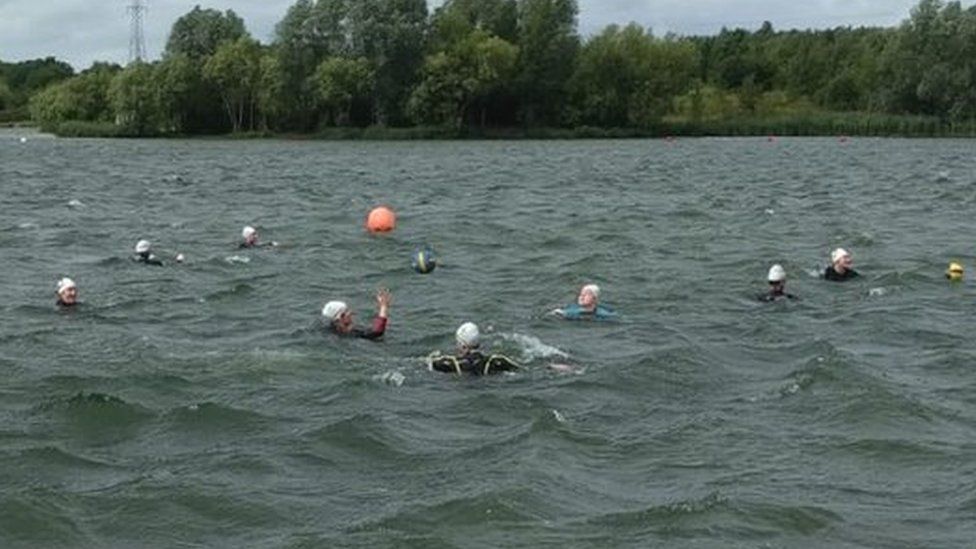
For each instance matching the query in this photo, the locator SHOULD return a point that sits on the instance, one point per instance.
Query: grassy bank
(811, 124)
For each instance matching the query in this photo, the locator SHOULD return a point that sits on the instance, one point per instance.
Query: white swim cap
(593, 289)
(65, 283)
(180, 258)
(837, 254)
(143, 246)
(777, 273)
(248, 231)
(334, 309)
(468, 335)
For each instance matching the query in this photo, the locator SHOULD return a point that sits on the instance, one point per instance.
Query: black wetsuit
(62, 305)
(770, 297)
(149, 259)
(473, 363)
(833, 276)
(374, 332)
(245, 245)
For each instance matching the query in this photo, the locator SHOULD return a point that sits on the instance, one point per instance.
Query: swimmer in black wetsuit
(144, 254)
(470, 360)
(342, 322)
(67, 293)
(777, 285)
(250, 235)
(841, 268)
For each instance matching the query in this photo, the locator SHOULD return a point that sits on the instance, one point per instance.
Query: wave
(212, 418)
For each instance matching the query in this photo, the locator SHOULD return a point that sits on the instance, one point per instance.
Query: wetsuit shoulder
(444, 364)
(571, 312)
(834, 276)
(604, 313)
(499, 363)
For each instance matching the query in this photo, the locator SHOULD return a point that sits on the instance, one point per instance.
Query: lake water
(202, 405)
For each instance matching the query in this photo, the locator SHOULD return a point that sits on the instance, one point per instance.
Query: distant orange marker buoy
(381, 220)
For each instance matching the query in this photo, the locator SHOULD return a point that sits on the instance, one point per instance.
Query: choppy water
(199, 405)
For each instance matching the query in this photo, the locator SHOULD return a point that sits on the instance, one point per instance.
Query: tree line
(475, 65)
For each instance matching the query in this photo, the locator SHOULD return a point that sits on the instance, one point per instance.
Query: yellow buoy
(955, 271)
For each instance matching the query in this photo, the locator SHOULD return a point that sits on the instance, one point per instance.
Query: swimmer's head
(143, 247)
(589, 296)
(777, 274)
(841, 258)
(67, 291)
(955, 271)
(468, 336)
(338, 315)
(250, 235)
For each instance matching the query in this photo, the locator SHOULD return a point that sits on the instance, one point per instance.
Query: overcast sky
(82, 31)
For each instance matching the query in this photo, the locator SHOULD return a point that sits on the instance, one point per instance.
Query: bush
(81, 128)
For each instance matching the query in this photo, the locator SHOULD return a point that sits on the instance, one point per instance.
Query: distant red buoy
(381, 220)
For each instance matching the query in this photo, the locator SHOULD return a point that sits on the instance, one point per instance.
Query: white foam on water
(238, 259)
(533, 348)
(75, 203)
(559, 417)
(28, 225)
(877, 292)
(391, 378)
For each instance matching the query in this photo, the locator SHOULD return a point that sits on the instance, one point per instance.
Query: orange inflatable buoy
(381, 220)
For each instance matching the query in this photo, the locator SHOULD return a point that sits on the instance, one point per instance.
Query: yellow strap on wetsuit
(436, 355)
(497, 357)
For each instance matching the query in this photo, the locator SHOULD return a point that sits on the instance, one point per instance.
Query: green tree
(456, 19)
(340, 82)
(271, 100)
(454, 81)
(200, 32)
(627, 77)
(391, 34)
(311, 31)
(84, 97)
(181, 94)
(133, 95)
(548, 44)
(235, 71)
(6, 96)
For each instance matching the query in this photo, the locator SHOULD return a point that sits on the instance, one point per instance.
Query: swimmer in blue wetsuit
(469, 359)
(587, 306)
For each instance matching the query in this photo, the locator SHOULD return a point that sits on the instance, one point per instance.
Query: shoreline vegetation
(840, 125)
(510, 69)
